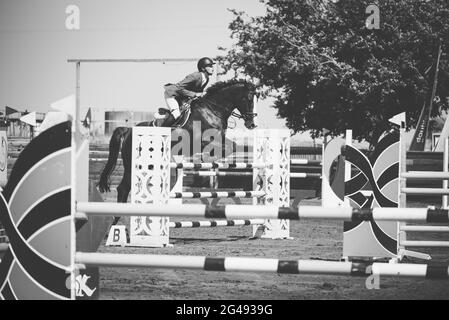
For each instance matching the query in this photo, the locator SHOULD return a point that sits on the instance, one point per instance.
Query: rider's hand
(199, 94)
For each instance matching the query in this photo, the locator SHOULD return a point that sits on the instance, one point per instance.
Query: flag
(87, 120)
(9, 111)
(398, 119)
(66, 105)
(53, 118)
(29, 118)
(420, 136)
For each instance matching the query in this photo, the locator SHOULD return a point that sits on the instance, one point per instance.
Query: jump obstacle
(31, 269)
(270, 156)
(395, 249)
(270, 165)
(386, 173)
(403, 242)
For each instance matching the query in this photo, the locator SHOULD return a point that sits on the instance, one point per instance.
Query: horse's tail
(114, 149)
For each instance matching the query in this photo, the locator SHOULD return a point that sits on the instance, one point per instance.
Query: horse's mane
(224, 84)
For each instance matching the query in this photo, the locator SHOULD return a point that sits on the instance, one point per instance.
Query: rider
(190, 87)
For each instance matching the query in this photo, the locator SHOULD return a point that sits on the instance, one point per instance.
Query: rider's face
(209, 70)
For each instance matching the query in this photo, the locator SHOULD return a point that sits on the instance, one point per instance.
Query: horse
(212, 111)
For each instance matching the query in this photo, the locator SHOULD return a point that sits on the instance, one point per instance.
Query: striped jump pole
(304, 175)
(263, 212)
(243, 264)
(218, 173)
(305, 162)
(218, 194)
(216, 165)
(247, 174)
(215, 223)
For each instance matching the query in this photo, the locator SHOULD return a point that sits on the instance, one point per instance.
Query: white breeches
(173, 105)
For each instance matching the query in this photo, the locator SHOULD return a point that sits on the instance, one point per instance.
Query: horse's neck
(219, 104)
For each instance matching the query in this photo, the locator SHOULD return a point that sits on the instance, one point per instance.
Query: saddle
(162, 114)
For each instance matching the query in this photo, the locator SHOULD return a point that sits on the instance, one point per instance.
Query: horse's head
(224, 97)
(245, 104)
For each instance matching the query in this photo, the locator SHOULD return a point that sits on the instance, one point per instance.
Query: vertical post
(75, 190)
(150, 183)
(402, 236)
(445, 169)
(78, 97)
(348, 169)
(402, 169)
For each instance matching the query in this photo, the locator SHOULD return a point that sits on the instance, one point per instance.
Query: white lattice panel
(272, 147)
(150, 183)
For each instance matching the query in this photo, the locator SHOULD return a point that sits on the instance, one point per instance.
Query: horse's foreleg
(123, 190)
(116, 220)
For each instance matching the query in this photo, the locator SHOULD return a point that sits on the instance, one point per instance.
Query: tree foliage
(327, 70)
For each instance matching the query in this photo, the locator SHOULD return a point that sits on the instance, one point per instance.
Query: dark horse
(212, 111)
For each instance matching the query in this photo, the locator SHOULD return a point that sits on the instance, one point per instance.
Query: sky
(35, 45)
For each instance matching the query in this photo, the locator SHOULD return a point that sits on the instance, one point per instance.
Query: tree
(326, 69)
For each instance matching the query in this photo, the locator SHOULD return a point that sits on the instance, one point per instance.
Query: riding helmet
(204, 62)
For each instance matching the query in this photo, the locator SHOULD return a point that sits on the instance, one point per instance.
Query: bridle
(246, 116)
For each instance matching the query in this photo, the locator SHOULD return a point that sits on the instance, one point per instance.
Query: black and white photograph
(224, 155)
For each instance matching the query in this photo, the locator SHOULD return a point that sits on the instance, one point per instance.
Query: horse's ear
(257, 86)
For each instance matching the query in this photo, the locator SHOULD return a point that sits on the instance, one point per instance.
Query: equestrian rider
(190, 87)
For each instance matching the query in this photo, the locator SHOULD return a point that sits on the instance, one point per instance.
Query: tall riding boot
(169, 121)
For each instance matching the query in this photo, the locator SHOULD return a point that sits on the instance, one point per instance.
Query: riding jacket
(186, 88)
